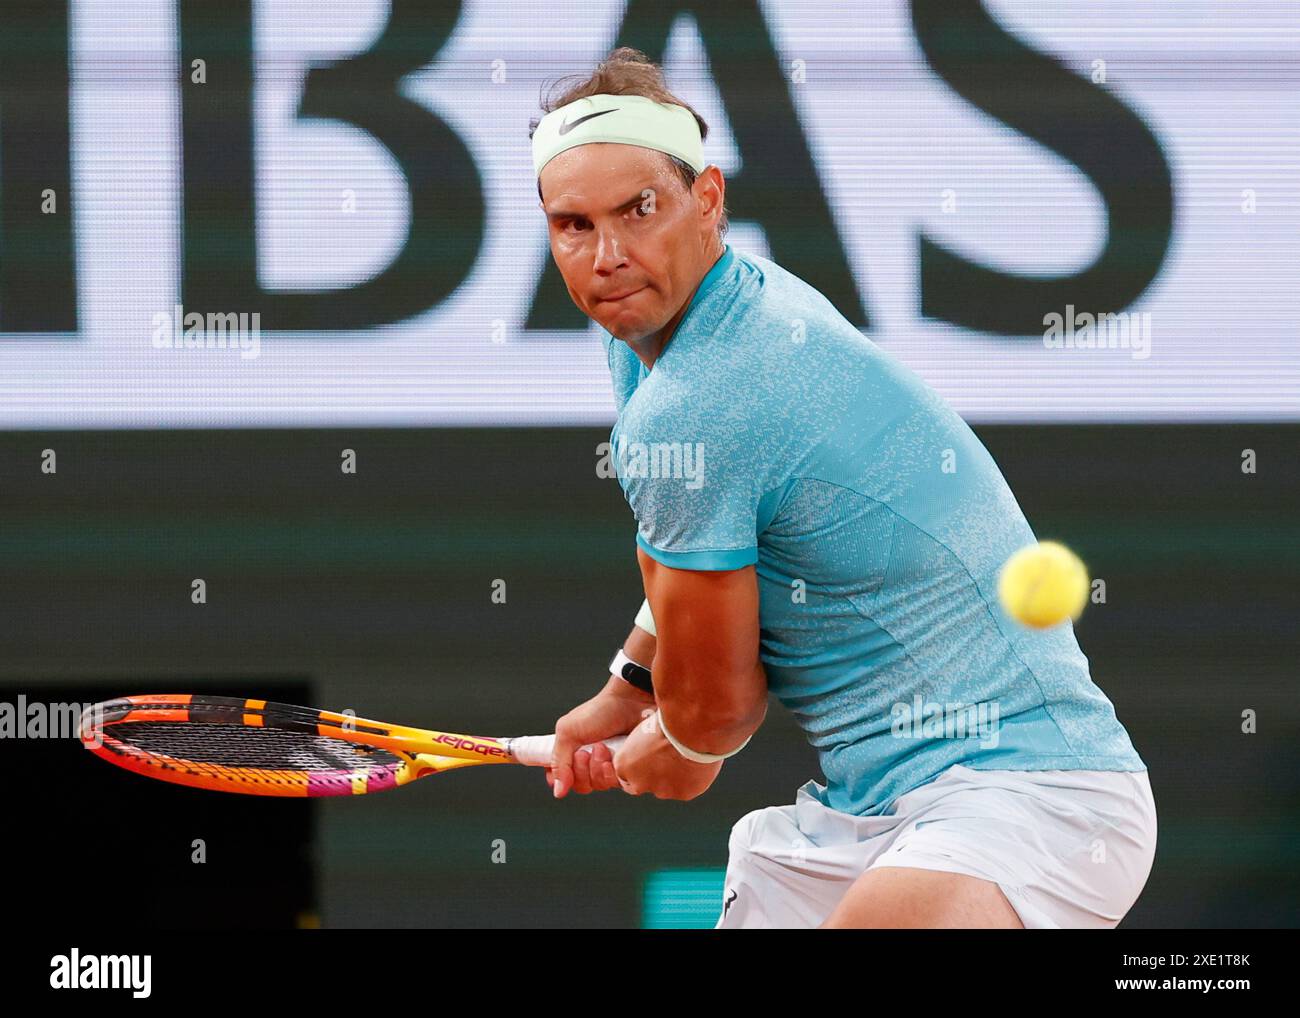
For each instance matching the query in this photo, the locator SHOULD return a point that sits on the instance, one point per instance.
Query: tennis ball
(1043, 584)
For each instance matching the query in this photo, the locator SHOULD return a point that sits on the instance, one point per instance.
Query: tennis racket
(259, 748)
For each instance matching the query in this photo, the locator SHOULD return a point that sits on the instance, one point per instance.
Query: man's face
(630, 239)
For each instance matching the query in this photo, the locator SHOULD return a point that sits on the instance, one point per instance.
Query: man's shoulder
(773, 284)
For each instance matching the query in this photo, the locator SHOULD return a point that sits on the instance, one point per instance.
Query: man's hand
(615, 710)
(648, 764)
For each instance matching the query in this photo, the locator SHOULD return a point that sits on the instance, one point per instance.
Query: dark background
(373, 592)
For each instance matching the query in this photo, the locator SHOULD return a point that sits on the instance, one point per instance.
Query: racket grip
(536, 750)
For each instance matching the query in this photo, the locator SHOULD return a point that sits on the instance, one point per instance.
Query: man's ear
(710, 180)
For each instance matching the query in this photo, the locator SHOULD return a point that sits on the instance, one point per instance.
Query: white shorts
(1069, 849)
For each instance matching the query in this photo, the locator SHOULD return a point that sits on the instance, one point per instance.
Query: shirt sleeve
(695, 490)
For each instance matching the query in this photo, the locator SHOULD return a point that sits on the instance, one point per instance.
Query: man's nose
(609, 250)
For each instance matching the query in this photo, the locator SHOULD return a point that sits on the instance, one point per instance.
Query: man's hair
(626, 71)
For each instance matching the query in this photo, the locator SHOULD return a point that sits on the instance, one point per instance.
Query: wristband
(691, 754)
(631, 672)
(645, 620)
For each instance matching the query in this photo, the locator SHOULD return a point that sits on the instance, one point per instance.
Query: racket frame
(421, 752)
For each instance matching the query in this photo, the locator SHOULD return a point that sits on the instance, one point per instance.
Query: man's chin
(627, 333)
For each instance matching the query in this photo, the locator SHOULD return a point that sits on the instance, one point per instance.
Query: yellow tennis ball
(1043, 584)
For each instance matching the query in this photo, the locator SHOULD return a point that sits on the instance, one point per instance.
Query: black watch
(629, 671)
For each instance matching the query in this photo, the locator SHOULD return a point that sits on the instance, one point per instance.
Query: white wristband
(644, 619)
(691, 754)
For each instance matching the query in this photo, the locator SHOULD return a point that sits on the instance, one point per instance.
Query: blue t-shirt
(771, 432)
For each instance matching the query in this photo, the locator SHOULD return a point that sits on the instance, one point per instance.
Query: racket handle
(536, 750)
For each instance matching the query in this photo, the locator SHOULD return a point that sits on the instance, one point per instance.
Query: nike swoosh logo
(566, 127)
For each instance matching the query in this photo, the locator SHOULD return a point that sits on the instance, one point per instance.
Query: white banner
(1050, 210)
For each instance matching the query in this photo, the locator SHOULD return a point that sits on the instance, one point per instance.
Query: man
(814, 520)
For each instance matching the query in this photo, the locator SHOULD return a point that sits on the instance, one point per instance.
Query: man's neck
(651, 348)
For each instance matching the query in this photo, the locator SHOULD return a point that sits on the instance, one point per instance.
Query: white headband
(623, 120)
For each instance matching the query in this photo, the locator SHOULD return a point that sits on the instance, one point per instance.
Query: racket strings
(237, 746)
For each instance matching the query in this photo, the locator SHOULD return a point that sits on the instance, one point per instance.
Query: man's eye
(643, 211)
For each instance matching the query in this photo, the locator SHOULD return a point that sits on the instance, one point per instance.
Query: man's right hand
(615, 710)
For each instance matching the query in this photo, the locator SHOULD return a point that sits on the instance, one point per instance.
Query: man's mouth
(620, 296)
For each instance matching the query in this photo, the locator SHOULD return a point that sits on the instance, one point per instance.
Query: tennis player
(814, 520)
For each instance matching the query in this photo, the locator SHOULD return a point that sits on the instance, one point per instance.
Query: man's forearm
(708, 729)
(640, 647)
(713, 726)
(710, 685)
(707, 723)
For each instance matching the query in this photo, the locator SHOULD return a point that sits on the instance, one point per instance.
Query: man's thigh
(903, 897)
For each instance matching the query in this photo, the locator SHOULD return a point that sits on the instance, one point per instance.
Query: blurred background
(951, 175)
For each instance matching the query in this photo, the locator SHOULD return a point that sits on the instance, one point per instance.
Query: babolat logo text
(75, 971)
(928, 719)
(653, 460)
(486, 748)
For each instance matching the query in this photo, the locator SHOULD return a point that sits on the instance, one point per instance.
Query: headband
(623, 120)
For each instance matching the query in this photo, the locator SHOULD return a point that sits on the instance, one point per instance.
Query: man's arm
(709, 687)
(615, 710)
(640, 647)
(709, 684)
